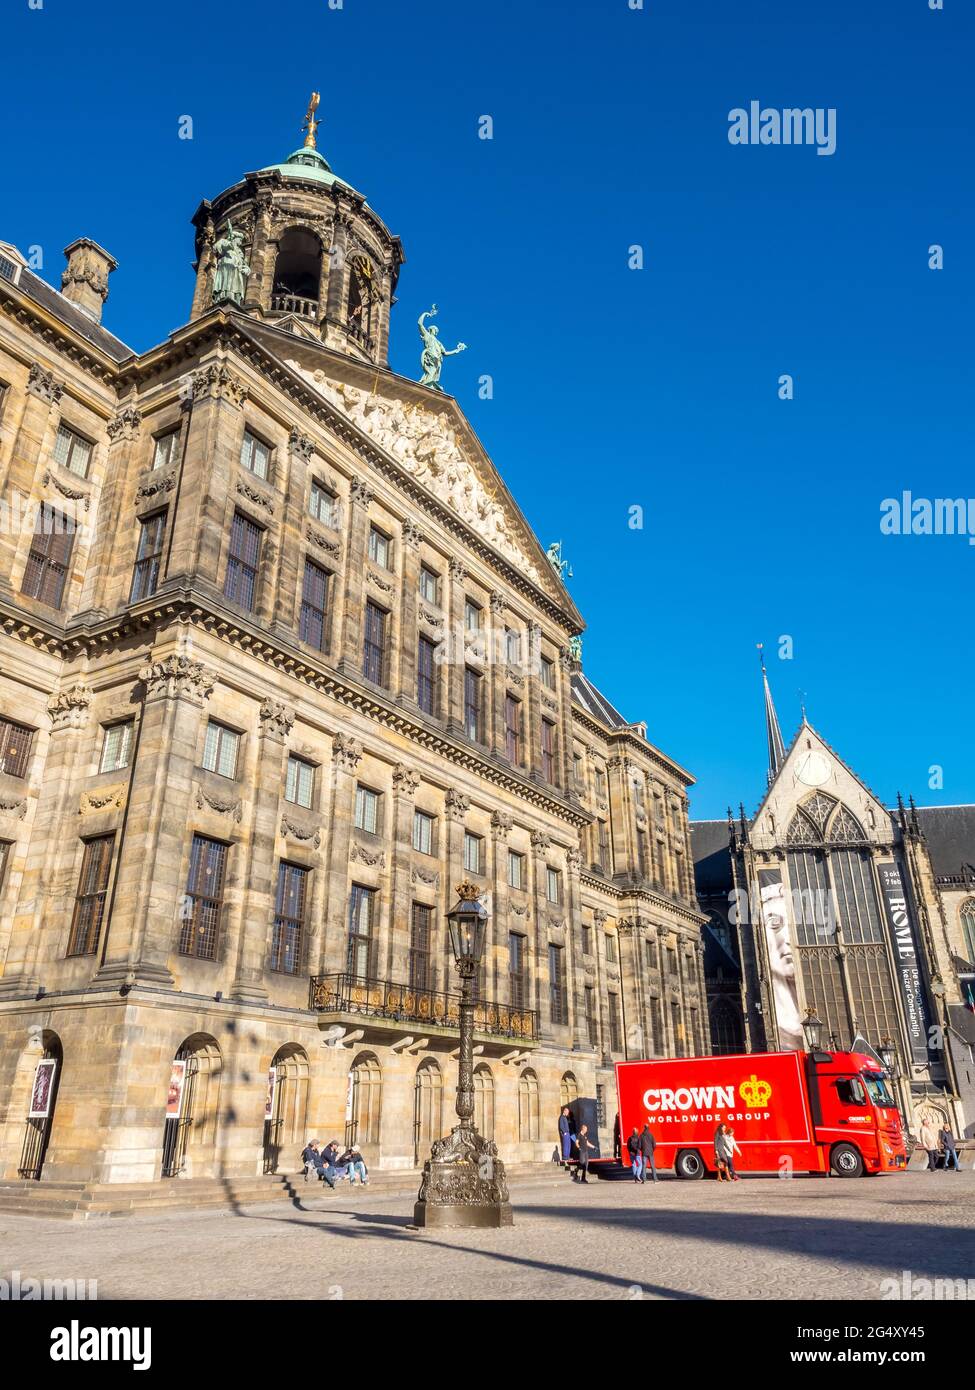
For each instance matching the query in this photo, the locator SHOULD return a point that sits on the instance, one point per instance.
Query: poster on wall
(781, 963)
(174, 1096)
(43, 1089)
(901, 926)
(272, 1081)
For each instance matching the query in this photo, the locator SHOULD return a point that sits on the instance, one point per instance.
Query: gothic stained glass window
(845, 829)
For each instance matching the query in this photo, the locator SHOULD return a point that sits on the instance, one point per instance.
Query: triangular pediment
(430, 439)
(812, 780)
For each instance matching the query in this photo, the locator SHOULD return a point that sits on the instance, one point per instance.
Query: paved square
(762, 1238)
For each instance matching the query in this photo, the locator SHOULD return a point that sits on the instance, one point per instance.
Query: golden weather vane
(309, 124)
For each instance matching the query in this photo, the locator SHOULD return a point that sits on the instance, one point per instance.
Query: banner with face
(782, 968)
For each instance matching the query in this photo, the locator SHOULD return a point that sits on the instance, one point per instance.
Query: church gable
(816, 798)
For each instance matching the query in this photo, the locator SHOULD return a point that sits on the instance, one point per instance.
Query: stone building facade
(281, 663)
(827, 899)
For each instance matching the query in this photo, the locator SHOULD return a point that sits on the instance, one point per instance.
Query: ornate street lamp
(887, 1053)
(464, 1183)
(812, 1028)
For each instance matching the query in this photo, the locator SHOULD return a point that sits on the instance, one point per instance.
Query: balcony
(352, 996)
(294, 304)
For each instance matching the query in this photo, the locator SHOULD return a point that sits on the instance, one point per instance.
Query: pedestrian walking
(566, 1134)
(585, 1144)
(949, 1148)
(636, 1155)
(725, 1148)
(928, 1136)
(647, 1145)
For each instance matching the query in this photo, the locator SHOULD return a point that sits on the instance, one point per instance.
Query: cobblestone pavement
(762, 1238)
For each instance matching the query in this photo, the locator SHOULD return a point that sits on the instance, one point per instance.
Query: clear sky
(613, 387)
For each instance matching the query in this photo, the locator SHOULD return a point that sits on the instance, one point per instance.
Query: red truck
(791, 1111)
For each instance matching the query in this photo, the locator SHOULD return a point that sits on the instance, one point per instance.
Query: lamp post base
(463, 1184)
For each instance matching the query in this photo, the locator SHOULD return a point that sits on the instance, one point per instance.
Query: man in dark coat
(950, 1150)
(647, 1145)
(636, 1155)
(585, 1144)
(565, 1135)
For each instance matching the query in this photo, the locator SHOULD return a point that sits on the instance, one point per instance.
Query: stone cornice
(195, 609)
(55, 333)
(645, 896)
(622, 736)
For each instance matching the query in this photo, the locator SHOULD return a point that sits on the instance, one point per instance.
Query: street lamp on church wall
(464, 1182)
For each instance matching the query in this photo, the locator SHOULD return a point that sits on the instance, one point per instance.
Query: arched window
(427, 1107)
(968, 927)
(287, 1100)
(192, 1102)
(484, 1102)
(365, 1107)
(568, 1089)
(359, 308)
(528, 1107)
(845, 829)
(40, 1106)
(297, 274)
(727, 1033)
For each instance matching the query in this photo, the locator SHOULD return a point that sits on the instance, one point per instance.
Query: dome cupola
(295, 245)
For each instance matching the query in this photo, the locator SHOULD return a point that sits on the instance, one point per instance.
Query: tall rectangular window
(615, 1025)
(558, 1000)
(603, 855)
(300, 783)
(366, 810)
(512, 646)
(473, 615)
(5, 848)
(362, 911)
(611, 954)
(516, 869)
(512, 729)
(592, 1027)
(553, 885)
(289, 918)
(374, 644)
(243, 562)
(148, 557)
(323, 505)
(517, 971)
(426, 675)
(429, 584)
(422, 832)
(73, 452)
(548, 673)
(89, 906)
(49, 561)
(16, 741)
(548, 750)
(220, 749)
(473, 853)
(314, 605)
(203, 904)
(379, 547)
(473, 705)
(255, 455)
(164, 449)
(419, 958)
(601, 783)
(116, 747)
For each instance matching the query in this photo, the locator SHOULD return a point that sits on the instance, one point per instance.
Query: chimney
(85, 281)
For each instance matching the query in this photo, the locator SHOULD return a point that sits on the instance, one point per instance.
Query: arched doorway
(427, 1108)
(40, 1107)
(192, 1100)
(484, 1101)
(364, 1109)
(528, 1123)
(568, 1089)
(286, 1103)
(297, 274)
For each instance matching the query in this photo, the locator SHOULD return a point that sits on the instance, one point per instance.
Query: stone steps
(79, 1201)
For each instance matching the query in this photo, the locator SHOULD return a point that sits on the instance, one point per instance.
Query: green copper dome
(307, 163)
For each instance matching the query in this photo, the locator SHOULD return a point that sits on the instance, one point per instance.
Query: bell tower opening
(297, 274)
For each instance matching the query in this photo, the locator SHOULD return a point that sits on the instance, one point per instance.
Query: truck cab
(855, 1116)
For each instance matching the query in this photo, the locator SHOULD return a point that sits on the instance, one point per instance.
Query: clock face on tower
(813, 769)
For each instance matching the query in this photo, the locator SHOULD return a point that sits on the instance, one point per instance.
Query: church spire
(776, 748)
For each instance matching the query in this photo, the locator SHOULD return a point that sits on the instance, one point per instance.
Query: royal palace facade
(281, 663)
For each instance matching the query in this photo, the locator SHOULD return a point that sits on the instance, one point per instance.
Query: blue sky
(614, 387)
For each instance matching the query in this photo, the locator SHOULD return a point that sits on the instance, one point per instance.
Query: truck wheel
(846, 1161)
(689, 1164)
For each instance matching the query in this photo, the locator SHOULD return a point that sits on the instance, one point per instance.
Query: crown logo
(754, 1092)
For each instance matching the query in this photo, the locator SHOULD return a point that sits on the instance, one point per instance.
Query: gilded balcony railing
(354, 994)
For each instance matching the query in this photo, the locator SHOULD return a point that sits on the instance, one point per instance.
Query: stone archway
(192, 1109)
(286, 1105)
